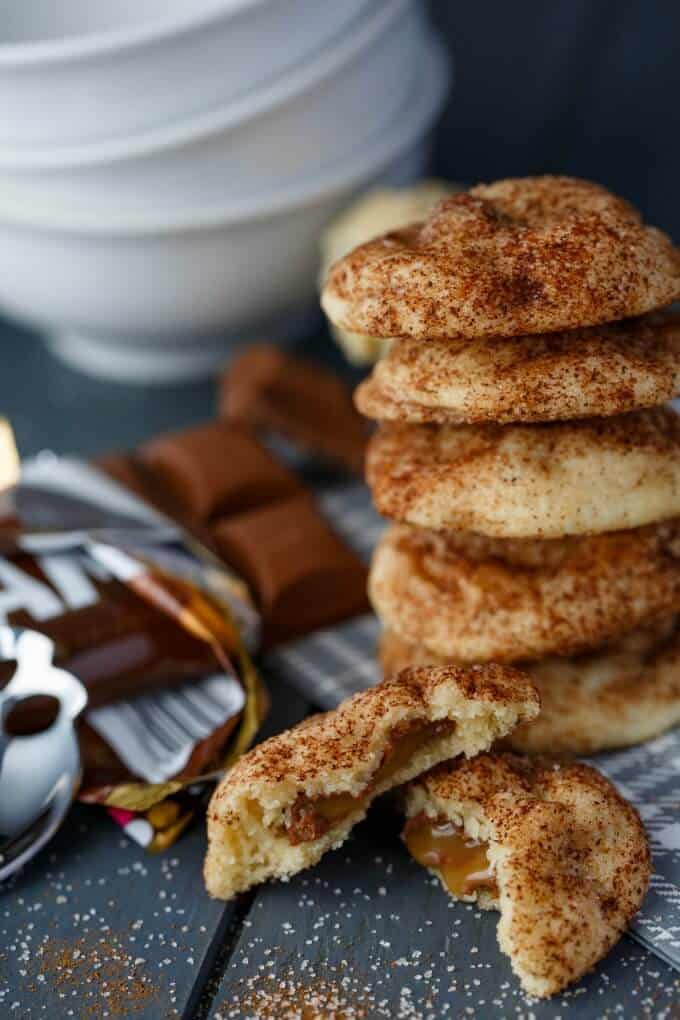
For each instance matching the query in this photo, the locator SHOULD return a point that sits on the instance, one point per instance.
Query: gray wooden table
(97, 927)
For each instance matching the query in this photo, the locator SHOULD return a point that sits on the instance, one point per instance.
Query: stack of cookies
(534, 478)
(524, 452)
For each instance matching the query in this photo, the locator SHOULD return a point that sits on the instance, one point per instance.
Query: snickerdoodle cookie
(297, 795)
(527, 255)
(602, 370)
(554, 848)
(621, 695)
(530, 481)
(375, 212)
(473, 600)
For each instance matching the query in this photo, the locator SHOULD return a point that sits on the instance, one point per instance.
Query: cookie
(616, 697)
(473, 599)
(600, 371)
(554, 848)
(528, 255)
(626, 694)
(297, 795)
(530, 481)
(378, 210)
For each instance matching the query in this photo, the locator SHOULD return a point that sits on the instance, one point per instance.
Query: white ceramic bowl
(309, 119)
(77, 70)
(153, 299)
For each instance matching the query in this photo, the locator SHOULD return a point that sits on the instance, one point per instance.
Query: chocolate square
(302, 574)
(215, 470)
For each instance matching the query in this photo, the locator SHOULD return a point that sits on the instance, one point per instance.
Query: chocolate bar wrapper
(147, 755)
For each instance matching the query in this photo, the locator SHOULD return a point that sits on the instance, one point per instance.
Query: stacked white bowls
(164, 178)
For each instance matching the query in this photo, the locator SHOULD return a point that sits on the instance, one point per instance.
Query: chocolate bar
(213, 470)
(228, 489)
(268, 389)
(303, 575)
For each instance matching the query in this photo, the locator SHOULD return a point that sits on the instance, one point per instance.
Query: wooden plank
(96, 926)
(369, 934)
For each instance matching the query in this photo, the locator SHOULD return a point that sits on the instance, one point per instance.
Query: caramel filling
(462, 863)
(311, 818)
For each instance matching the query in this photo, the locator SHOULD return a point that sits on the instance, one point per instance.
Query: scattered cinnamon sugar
(111, 981)
(285, 997)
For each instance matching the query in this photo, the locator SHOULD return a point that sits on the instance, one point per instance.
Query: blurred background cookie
(551, 598)
(618, 696)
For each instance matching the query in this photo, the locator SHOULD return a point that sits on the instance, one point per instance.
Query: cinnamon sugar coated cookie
(378, 210)
(530, 481)
(472, 599)
(297, 795)
(616, 697)
(602, 370)
(554, 848)
(525, 255)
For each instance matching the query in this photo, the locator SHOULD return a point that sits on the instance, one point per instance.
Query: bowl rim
(360, 34)
(414, 118)
(72, 48)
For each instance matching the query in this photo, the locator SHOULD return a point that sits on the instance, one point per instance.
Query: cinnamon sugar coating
(617, 696)
(346, 737)
(339, 753)
(602, 370)
(569, 854)
(530, 481)
(472, 599)
(525, 255)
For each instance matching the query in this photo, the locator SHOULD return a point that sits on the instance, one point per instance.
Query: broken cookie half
(554, 847)
(299, 794)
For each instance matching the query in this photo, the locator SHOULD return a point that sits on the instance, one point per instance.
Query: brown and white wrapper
(164, 715)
